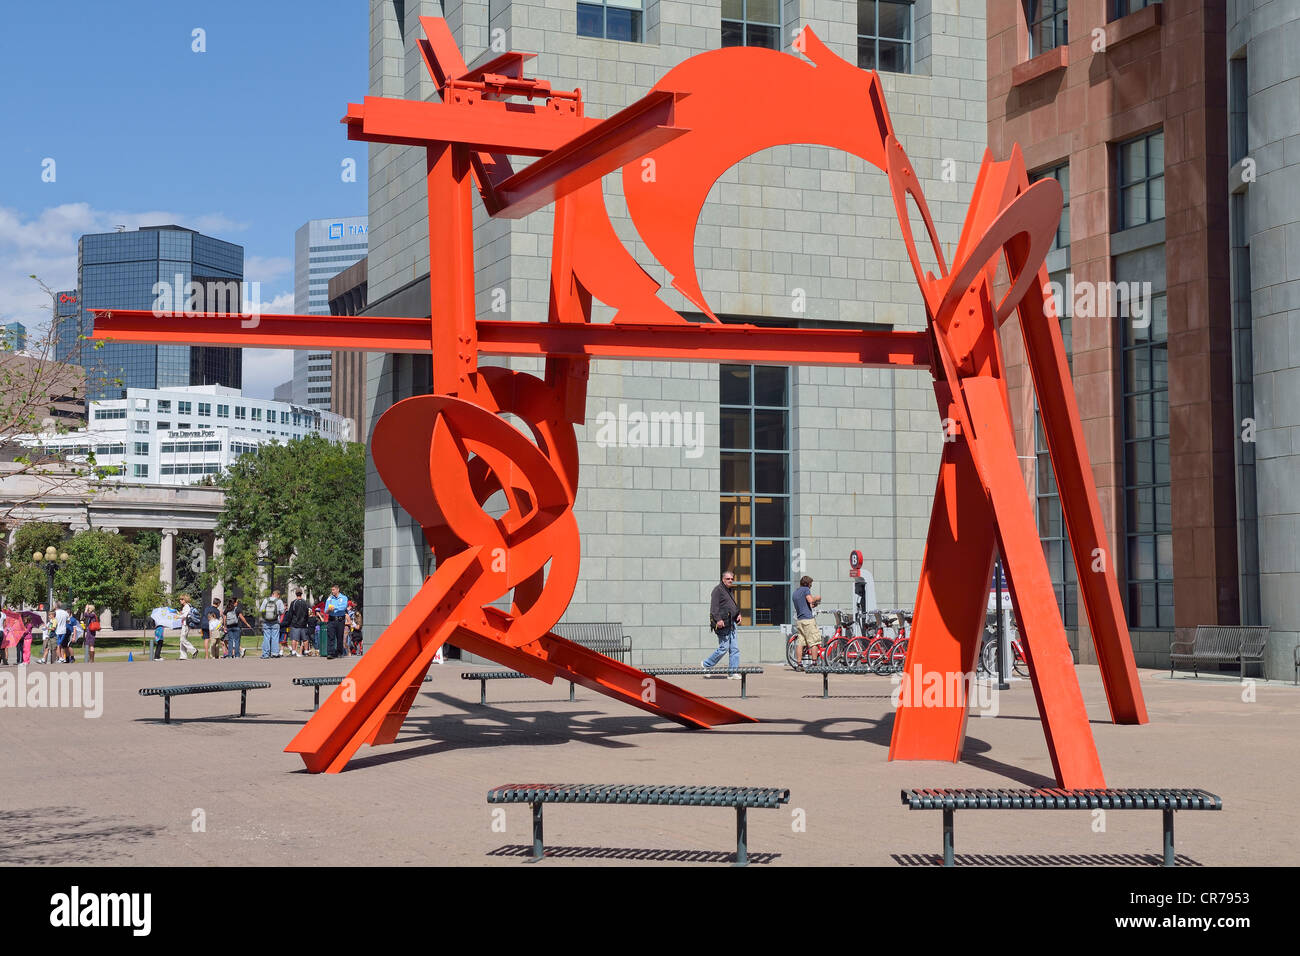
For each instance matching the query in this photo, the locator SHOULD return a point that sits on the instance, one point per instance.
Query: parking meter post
(1001, 632)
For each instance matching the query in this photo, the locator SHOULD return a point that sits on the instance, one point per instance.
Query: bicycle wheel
(855, 653)
(878, 654)
(989, 659)
(793, 650)
(898, 655)
(1018, 662)
(834, 653)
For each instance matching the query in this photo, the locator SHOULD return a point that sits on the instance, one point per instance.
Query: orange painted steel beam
(949, 614)
(603, 148)
(487, 126)
(709, 342)
(689, 341)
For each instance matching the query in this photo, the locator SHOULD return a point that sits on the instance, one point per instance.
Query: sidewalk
(208, 790)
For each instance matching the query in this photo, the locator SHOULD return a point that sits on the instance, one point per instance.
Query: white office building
(177, 436)
(322, 248)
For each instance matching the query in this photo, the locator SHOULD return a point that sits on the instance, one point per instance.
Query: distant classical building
(321, 247)
(347, 294)
(178, 436)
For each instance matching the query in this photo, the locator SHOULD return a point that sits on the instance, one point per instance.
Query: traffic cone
(129, 657)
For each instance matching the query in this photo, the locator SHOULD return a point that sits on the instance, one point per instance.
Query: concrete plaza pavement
(209, 789)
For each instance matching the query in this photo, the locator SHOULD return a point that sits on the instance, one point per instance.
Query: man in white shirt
(63, 633)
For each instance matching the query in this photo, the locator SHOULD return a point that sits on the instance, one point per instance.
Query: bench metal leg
(570, 691)
(1169, 837)
(742, 837)
(167, 709)
(243, 703)
(743, 679)
(315, 704)
(947, 839)
(482, 692)
(539, 851)
(826, 686)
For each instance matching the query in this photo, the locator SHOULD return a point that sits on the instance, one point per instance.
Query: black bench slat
(1166, 799)
(180, 690)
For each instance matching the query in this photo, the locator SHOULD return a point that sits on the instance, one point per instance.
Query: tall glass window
(751, 23)
(1150, 591)
(885, 36)
(1141, 170)
(1048, 25)
(755, 488)
(1051, 521)
(1061, 174)
(612, 20)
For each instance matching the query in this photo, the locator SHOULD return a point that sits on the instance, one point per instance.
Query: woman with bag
(90, 625)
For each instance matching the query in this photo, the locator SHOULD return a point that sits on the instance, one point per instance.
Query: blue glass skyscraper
(119, 270)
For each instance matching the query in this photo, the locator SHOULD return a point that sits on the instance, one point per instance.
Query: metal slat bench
(180, 690)
(744, 673)
(741, 799)
(604, 638)
(1216, 644)
(319, 682)
(826, 670)
(1145, 798)
(484, 676)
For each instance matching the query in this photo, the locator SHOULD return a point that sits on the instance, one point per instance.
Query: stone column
(263, 573)
(218, 589)
(167, 559)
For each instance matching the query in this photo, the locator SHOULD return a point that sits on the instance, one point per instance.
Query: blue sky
(241, 141)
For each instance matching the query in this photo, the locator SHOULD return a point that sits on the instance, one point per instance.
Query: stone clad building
(795, 468)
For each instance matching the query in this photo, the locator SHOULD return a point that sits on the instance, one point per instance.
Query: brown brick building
(1127, 105)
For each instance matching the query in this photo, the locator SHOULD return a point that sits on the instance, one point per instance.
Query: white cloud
(267, 269)
(264, 369)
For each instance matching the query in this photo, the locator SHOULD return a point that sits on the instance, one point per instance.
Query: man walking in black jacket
(724, 615)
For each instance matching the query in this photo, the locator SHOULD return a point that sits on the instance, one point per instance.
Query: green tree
(147, 593)
(21, 581)
(100, 570)
(305, 501)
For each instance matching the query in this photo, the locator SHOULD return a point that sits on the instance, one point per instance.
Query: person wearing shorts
(63, 630)
(90, 624)
(296, 618)
(805, 625)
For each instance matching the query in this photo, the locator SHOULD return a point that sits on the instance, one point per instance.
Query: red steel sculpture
(706, 115)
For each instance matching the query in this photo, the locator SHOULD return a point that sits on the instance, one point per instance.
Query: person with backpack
(297, 619)
(270, 610)
(235, 624)
(190, 620)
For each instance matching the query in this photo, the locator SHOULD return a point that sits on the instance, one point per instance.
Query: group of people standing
(59, 633)
(287, 630)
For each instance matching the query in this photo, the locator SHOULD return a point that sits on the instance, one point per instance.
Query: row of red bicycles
(874, 641)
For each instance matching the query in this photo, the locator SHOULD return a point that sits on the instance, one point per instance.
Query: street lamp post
(51, 560)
